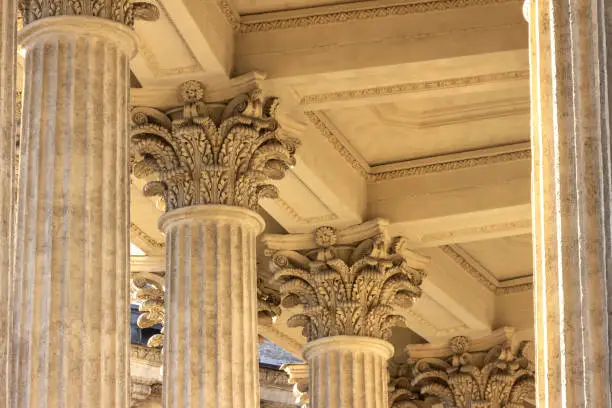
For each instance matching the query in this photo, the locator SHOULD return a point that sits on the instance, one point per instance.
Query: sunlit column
(571, 186)
(8, 72)
(70, 306)
(351, 285)
(213, 163)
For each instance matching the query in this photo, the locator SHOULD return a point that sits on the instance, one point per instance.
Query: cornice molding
(450, 235)
(315, 16)
(230, 14)
(135, 229)
(304, 220)
(483, 276)
(321, 123)
(410, 87)
(419, 167)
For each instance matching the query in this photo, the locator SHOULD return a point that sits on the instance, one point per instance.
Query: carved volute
(121, 11)
(349, 282)
(211, 153)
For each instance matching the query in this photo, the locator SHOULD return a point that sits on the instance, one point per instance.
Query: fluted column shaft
(70, 302)
(210, 349)
(348, 372)
(8, 72)
(571, 202)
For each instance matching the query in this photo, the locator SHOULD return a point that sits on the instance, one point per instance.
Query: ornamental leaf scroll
(211, 155)
(357, 289)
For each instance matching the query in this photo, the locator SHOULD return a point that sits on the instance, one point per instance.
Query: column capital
(268, 304)
(493, 370)
(352, 282)
(224, 153)
(149, 290)
(120, 11)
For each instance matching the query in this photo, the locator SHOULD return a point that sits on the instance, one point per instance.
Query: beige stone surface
(210, 349)
(571, 202)
(348, 371)
(8, 73)
(70, 330)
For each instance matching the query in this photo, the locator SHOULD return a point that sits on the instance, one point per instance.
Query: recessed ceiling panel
(505, 258)
(396, 132)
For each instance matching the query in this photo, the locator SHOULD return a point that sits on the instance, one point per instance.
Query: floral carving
(401, 392)
(349, 288)
(151, 294)
(212, 154)
(121, 11)
(502, 378)
(268, 304)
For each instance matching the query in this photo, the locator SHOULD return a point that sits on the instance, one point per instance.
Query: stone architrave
(213, 163)
(8, 74)
(299, 377)
(351, 285)
(571, 188)
(70, 298)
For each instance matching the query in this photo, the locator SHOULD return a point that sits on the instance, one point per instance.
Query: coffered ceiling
(413, 111)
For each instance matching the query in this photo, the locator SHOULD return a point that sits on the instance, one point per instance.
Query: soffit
(505, 258)
(426, 126)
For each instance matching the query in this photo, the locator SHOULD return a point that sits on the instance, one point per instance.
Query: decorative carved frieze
(321, 16)
(121, 11)
(148, 354)
(211, 153)
(485, 372)
(149, 292)
(274, 378)
(350, 282)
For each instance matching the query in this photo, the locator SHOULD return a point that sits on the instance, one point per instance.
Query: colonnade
(63, 284)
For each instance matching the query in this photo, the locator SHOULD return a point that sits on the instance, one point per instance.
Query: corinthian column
(352, 285)
(8, 72)
(213, 162)
(571, 162)
(70, 303)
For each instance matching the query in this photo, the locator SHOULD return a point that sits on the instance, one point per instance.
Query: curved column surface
(571, 187)
(70, 337)
(8, 72)
(348, 372)
(210, 348)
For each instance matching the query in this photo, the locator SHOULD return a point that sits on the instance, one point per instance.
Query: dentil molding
(364, 10)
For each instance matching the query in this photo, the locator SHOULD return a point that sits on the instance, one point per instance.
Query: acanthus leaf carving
(211, 155)
(501, 377)
(349, 288)
(149, 292)
(121, 11)
(268, 304)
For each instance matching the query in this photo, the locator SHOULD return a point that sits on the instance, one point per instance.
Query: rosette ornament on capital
(211, 153)
(351, 282)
